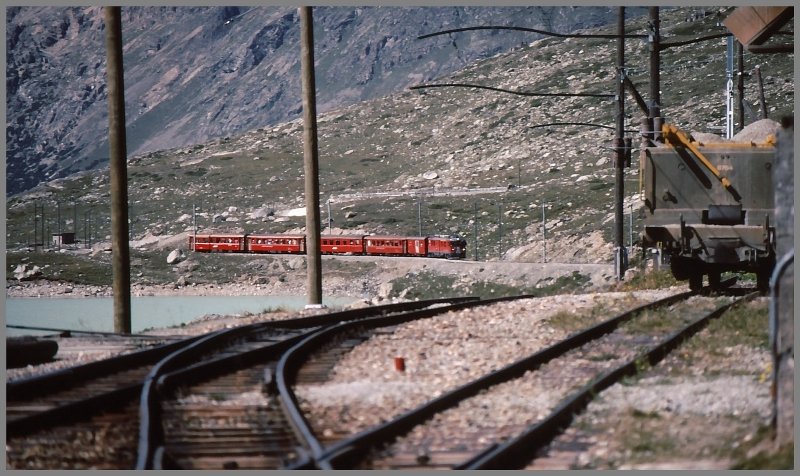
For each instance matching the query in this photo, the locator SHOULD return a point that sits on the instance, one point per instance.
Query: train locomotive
(449, 247)
(710, 207)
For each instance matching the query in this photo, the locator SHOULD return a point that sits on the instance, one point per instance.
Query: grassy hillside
(446, 160)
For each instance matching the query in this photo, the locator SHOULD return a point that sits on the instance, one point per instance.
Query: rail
(289, 364)
(25, 389)
(343, 453)
(183, 363)
(517, 451)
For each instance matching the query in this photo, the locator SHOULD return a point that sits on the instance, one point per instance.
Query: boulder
(25, 272)
(261, 213)
(187, 266)
(175, 256)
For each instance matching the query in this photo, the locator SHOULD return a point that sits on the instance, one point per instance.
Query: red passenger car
(385, 245)
(452, 247)
(416, 245)
(285, 244)
(342, 245)
(211, 243)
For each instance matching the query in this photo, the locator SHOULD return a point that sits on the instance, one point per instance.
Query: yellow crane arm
(674, 136)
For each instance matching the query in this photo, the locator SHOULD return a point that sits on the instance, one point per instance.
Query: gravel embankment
(725, 390)
(441, 353)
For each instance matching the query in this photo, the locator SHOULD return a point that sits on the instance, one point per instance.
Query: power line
(519, 93)
(530, 30)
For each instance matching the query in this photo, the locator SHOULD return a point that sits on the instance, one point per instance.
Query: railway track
(220, 413)
(75, 393)
(225, 401)
(79, 406)
(236, 410)
(580, 366)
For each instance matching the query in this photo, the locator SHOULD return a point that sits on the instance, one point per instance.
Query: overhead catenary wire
(529, 30)
(664, 46)
(588, 124)
(509, 91)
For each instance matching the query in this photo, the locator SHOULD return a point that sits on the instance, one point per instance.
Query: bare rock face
(181, 63)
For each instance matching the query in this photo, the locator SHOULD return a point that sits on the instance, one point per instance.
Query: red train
(450, 247)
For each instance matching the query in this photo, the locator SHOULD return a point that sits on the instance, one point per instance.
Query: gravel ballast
(724, 389)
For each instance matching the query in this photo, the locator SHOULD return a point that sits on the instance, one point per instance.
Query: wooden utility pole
(761, 98)
(782, 288)
(35, 226)
(44, 237)
(120, 256)
(619, 161)
(655, 75)
(310, 158)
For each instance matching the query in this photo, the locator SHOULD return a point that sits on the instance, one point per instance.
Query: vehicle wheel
(680, 268)
(696, 281)
(714, 280)
(762, 281)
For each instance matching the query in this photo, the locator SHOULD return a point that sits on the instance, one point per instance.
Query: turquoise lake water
(97, 314)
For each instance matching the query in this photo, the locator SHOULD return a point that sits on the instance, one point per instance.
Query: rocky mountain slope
(194, 74)
(430, 161)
